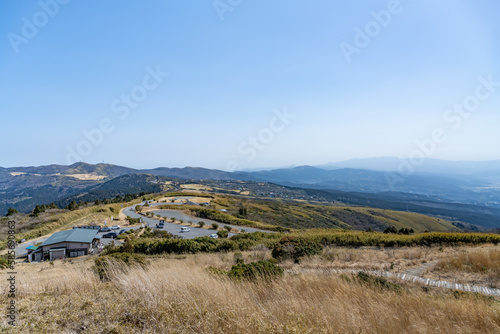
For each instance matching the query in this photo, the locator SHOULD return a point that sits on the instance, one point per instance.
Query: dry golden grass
(180, 199)
(374, 258)
(17, 173)
(396, 259)
(196, 187)
(178, 295)
(87, 177)
(475, 261)
(481, 264)
(462, 264)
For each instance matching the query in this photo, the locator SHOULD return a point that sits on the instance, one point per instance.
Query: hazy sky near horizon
(236, 84)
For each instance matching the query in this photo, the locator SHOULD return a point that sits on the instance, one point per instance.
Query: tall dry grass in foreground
(181, 296)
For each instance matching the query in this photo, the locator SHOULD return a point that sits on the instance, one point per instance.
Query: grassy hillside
(298, 215)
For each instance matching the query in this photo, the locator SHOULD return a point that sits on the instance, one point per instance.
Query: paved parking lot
(176, 228)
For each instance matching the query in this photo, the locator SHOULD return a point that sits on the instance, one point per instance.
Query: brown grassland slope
(179, 295)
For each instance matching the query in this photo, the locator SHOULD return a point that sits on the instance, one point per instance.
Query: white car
(214, 236)
(115, 227)
(185, 229)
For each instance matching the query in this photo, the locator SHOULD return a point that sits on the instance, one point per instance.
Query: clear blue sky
(68, 68)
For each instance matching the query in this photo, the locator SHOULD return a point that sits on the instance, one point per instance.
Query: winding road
(175, 228)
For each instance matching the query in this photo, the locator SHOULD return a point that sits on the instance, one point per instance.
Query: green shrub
(215, 226)
(223, 233)
(237, 257)
(129, 258)
(201, 224)
(217, 271)
(133, 221)
(4, 263)
(296, 248)
(11, 212)
(226, 245)
(228, 228)
(244, 245)
(265, 270)
(157, 234)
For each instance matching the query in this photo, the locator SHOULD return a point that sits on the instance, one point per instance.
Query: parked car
(160, 225)
(92, 227)
(122, 231)
(115, 227)
(105, 229)
(185, 229)
(111, 235)
(214, 236)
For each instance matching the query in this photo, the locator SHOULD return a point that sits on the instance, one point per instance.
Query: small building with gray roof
(69, 243)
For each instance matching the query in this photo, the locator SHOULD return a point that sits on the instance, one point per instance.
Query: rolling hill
(466, 199)
(300, 214)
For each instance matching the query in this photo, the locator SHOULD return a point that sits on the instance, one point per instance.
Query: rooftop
(74, 235)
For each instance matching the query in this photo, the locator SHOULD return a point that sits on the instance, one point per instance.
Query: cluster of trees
(11, 212)
(402, 230)
(41, 208)
(119, 199)
(36, 211)
(74, 205)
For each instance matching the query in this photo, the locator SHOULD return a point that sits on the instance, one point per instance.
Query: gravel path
(417, 271)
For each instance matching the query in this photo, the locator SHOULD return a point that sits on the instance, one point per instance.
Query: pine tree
(72, 206)
(11, 212)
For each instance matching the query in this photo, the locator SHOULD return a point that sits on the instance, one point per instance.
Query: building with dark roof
(70, 243)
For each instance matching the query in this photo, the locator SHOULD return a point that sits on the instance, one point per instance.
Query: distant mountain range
(470, 183)
(434, 166)
(472, 189)
(24, 187)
